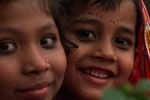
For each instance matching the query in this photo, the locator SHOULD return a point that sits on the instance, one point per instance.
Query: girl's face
(105, 56)
(32, 60)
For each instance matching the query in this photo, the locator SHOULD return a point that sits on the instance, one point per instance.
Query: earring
(47, 60)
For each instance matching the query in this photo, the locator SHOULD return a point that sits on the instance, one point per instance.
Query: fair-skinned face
(105, 56)
(28, 37)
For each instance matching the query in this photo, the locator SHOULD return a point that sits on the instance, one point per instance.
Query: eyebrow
(46, 27)
(99, 23)
(13, 30)
(86, 21)
(127, 30)
(9, 30)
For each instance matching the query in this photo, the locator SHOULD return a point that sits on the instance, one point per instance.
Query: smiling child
(105, 33)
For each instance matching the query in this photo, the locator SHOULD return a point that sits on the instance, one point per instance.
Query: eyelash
(124, 44)
(7, 47)
(51, 42)
(85, 35)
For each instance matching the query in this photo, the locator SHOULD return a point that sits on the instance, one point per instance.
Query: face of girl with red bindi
(32, 59)
(105, 56)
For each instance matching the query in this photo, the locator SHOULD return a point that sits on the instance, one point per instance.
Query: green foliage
(114, 94)
(144, 85)
(128, 92)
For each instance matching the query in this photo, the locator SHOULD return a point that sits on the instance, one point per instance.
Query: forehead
(125, 6)
(124, 17)
(125, 11)
(16, 3)
(25, 16)
(20, 9)
(20, 5)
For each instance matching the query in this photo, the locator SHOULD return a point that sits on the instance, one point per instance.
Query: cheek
(58, 62)
(126, 61)
(74, 58)
(8, 69)
(125, 66)
(58, 67)
(129, 61)
(8, 75)
(79, 54)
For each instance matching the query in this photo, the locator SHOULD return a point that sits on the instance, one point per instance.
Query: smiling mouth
(97, 73)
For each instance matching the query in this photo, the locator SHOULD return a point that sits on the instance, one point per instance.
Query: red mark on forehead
(111, 20)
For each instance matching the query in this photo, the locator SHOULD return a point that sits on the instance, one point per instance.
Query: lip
(100, 68)
(35, 92)
(95, 80)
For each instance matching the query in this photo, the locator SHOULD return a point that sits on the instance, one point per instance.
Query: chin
(90, 96)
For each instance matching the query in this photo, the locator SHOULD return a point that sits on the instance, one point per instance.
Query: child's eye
(86, 35)
(48, 41)
(123, 43)
(7, 46)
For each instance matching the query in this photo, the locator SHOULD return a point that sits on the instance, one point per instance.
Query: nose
(104, 51)
(34, 62)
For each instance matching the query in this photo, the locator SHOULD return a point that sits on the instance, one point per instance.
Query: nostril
(106, 59)
(112, 60)
(35, 64)
(34, 72)
(36, 67)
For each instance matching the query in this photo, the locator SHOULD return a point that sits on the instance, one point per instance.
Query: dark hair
(147, 3)
(52, 7)
(65, 9)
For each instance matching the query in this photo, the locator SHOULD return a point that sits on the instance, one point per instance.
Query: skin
(104, 48)
(28, 37)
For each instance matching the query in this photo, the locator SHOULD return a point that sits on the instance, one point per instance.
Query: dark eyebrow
(9, 30)
(86, 21)
(13, 30)
(127, 30)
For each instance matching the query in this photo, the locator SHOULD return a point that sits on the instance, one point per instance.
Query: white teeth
(96, 73)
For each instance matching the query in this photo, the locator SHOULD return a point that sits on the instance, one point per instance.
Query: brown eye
(48, 41)
(86, 35)
(123, 43)
(7, 46)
